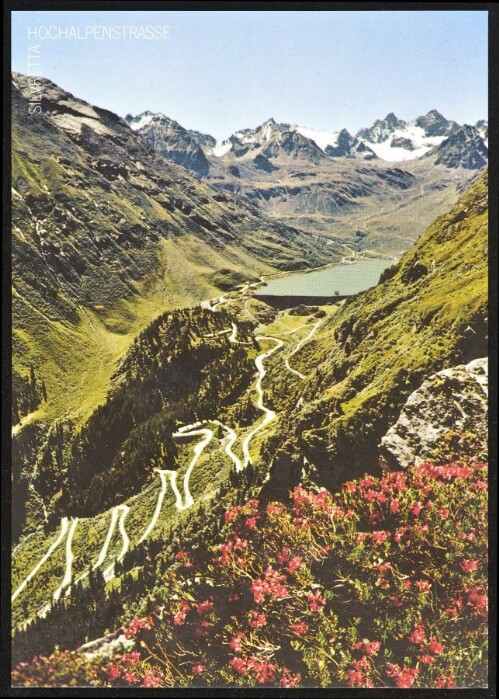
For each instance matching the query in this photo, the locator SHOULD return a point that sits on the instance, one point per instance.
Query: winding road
(52, 548)
(68, 573)
(161, 496)
(230, 443)
(123, 510)
(269, 414)
(182, 501)
(186, 431)
(298, 348)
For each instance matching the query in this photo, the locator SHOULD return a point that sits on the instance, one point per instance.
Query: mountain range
(363, 189)
(390, 139)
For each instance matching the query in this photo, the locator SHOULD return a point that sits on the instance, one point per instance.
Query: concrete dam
(283, 302)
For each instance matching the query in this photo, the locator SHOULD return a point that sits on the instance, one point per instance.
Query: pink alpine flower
(129, 659)
(180, 616)
(113, 671)
(258, 619)
(379, 537)
(294, 564)
(239, 665)
(426, 659)
(204, 607)
(469, 565)
(416, 509)
(404, 677)
(235, 642)
(137, 625)
(435, 647)
(418, 635)
(284, 555)
(264, 671)
(394, 506)
(300, 628)
(422, 585)
(372, 647)
(151, 679)
(316, 601)
(130, 677)
(290, 680)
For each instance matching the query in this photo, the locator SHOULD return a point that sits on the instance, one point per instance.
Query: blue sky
(221, 71)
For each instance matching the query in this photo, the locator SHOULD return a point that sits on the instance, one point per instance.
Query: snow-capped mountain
(394, 140)
(346, 146)
(382, 129)
(269, 140)
(390, 139)
(483, 129)
(434, 124)
(273, 140)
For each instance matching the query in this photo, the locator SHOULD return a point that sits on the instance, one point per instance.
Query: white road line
(233, 335)
(198, 449)
(222, 332)
(269, 414)
(110, 532)
(68, 574)
(159, 504)
(178, 497)
(109, 571)
(126, 541)
(230, 443)
(52, 548)
(218, 303)
(298, 348)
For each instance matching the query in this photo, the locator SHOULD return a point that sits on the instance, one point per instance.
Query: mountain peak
(435, 114)
(382, 129)
(463, 148)
(435, 124)
(344, 133)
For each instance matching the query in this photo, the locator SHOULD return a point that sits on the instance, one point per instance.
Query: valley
(159, 395)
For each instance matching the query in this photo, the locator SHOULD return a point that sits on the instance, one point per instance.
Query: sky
(218, 72)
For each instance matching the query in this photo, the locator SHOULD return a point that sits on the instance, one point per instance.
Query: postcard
(249, 255)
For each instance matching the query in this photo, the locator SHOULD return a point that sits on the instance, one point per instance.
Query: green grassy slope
(107, 235)
(431, 313)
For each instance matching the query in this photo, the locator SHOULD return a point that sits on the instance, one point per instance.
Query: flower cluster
(382, 584)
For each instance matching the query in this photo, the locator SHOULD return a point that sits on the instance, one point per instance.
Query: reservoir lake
(346, 279)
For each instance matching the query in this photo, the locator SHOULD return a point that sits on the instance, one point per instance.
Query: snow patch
(221, 148)
(141, 121)
(422, 144)
(321, 138)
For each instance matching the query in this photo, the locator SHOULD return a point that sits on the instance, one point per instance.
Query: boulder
(454, 400)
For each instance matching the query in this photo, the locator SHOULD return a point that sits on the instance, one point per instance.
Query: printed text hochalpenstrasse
(99, 32)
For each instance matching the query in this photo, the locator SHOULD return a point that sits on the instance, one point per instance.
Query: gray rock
(464, 148)
(453, 399)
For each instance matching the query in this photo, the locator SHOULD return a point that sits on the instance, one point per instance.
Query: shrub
(380, 585)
